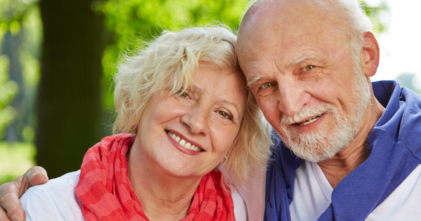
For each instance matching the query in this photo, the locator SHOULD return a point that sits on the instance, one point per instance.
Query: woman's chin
(183, 168)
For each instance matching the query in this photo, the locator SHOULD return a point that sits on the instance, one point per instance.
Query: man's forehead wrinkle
(257, 49)
(281, 35)
(253, 71)
(255, 41)
(274, 32)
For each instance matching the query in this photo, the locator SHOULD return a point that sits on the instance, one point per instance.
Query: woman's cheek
(223, 132)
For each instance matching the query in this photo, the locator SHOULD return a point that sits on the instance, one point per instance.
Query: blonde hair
(171, 62)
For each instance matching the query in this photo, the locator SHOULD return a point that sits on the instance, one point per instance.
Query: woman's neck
(163, 197)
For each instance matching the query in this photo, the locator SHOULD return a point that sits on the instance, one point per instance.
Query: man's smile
(309, 121)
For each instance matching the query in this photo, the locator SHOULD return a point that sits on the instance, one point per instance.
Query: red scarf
(107, 194)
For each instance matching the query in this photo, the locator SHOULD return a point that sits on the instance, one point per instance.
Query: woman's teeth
(183, 143)
(309, 121)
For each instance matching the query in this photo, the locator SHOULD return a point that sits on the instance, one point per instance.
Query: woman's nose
(196, 119)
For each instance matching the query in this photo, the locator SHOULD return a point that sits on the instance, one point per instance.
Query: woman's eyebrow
(228, 103)
(196, 89)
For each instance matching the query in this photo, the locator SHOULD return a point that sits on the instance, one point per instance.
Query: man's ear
(370, 54)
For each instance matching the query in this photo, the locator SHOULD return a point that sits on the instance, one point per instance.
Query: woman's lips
(183, 145)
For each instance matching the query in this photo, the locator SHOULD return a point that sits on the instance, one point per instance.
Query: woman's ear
(220, 164)
(370, 56)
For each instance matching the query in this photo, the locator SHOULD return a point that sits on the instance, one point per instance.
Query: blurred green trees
(82, 43)
(20, 40)
(8, 90)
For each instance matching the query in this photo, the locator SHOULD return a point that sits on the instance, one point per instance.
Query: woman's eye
(266, 85)
(224, 114)
(182, 94)
(309, 67)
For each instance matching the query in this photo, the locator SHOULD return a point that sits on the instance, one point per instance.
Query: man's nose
(292, 97)
(196, 119)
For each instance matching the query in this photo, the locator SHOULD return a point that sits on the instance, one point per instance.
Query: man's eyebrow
(253, 80)
(303, 58)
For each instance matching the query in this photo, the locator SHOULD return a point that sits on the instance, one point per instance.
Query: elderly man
(350, 149)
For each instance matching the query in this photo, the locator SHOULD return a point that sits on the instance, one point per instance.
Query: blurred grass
(15, 159)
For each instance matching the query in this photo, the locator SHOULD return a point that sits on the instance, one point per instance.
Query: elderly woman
(184, 110)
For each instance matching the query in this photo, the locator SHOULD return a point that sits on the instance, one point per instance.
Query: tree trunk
(69, 96)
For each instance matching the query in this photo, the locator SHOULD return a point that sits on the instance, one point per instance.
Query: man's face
(301, 71)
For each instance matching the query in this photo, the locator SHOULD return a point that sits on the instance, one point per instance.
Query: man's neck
(349, 158)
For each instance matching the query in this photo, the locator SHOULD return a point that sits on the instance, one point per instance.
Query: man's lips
(308, 120)
(184, 141)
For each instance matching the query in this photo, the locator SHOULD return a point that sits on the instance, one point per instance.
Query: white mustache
(306, 113)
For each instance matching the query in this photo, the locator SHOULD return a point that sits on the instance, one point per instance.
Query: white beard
(320, 145)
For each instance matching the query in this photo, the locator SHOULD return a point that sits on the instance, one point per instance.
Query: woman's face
(188, 134)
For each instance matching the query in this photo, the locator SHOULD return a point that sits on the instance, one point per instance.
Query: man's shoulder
(54, 200)
(68, 180)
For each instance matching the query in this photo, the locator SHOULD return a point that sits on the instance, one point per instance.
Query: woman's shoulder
(55, 200)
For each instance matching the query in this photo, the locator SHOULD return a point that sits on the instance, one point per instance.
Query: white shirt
(57, 200)
(312, 196)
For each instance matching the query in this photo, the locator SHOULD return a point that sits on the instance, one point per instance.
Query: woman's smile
(184, 142)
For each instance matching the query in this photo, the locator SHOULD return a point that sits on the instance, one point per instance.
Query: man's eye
(309, 67)
(266, 85)
(224, 114)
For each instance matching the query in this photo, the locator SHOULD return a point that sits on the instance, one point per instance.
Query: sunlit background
(122, 26)
(400, 43)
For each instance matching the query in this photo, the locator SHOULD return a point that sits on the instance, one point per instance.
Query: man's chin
(315, 156)
(318, 149)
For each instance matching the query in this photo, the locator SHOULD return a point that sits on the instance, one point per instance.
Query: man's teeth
(183, 143)
(309, 121)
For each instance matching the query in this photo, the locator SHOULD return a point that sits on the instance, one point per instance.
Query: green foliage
(375, 13)
(7, 178)
(131, 22)
(13, 11)
(21, 18)
(15, 159)
(8, 90)
(30, 48)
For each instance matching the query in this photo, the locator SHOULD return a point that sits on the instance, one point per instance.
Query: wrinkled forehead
(281, 27)
(285, 19)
